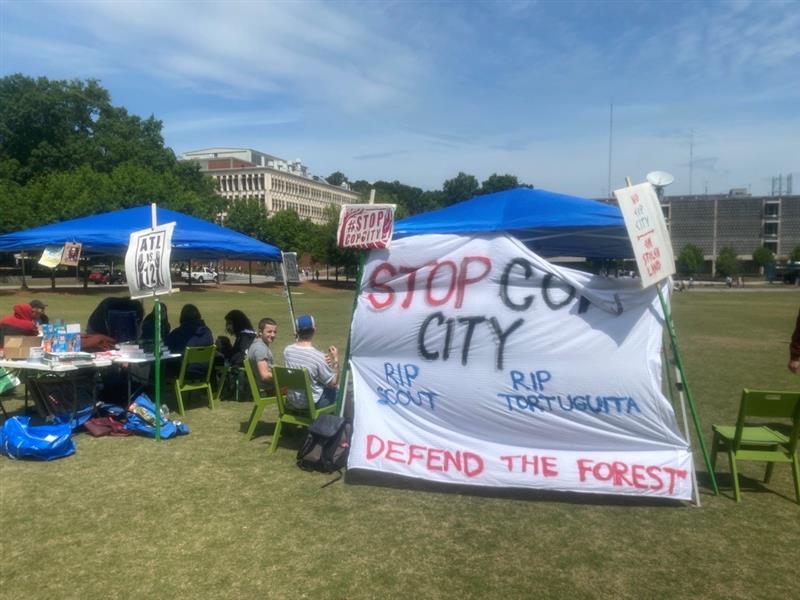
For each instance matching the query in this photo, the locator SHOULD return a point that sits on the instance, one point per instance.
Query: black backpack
(327, 445)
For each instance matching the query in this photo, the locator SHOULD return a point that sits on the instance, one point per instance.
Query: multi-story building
(242, 173)
(736, 220)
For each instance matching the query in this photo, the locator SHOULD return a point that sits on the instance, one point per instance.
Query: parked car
(201, 275)
(107, 277)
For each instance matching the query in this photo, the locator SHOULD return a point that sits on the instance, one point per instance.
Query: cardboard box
(18, 346)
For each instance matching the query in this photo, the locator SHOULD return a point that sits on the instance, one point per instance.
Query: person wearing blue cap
(323, 369)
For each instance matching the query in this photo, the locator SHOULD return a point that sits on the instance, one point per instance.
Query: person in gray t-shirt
(323, 370)
(260, 355)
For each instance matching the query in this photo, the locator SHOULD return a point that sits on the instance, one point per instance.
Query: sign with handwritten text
(365, 226)
(648, 232)
(475, 361)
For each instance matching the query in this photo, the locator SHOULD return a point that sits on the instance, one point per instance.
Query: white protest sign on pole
(648, 232)
(147, 261)
(365, 226)
(475, 361)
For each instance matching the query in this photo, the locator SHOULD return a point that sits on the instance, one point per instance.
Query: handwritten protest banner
(147, 261)
(365, 226)
(475, 361)
(648, 232)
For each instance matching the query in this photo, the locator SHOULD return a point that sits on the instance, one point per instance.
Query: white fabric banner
(475, 361)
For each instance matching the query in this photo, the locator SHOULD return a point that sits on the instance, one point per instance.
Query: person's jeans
(328, 397)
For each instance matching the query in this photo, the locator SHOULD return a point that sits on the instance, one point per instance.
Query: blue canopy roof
(109, 233)
(550, 224)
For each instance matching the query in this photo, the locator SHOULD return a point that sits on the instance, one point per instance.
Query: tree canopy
(66, 151)
(763, 256)
(690, 260)
(727, 262)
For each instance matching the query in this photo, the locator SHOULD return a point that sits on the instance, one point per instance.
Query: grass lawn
(209, 515)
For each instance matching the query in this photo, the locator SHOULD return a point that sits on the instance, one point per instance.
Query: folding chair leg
(210, 397)
(275, 437)
(796, 476)
(179, 399)
(735, 477)
(714, 446)
(255, 417)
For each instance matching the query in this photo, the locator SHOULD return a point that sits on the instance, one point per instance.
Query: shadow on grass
(387, 480)
(748, 485)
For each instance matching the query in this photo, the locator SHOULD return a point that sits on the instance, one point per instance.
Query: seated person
(260, 356)
(323, 369)
(20, 323)
(238, 325)
(193, 332)
(149, 325)
(37, 307)
(118, 318)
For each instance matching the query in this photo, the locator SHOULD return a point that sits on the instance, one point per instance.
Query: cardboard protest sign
(147, 261)
(71, 254)
(475, 361)
(647, 229)
(365, 226)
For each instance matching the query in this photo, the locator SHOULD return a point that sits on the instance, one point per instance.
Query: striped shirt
(313, 361)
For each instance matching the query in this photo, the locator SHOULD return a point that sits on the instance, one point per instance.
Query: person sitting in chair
(20, 323)
(191, 332)
(260, 356)
(323, 369)
(238, 325)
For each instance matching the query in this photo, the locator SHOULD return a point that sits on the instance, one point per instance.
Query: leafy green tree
(498, 183)
(795, 255)
(690, 260)
(336, 178)
(461, 187)
(247, 216)
(763, 256)
(66, 151)
(727, 263)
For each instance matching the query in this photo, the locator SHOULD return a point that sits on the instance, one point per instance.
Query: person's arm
(264, 372)
(332, 359)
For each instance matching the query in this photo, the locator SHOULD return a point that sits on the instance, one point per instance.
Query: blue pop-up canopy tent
(109, 233)
(550, 224)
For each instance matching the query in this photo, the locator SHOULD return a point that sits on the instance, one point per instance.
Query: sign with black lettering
(147, 261)
(476, 361)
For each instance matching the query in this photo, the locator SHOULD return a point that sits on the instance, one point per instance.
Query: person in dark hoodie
(237, 324)
(20, 323)
(191, 332)
(148, 333)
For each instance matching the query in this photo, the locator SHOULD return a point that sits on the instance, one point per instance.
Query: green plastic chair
(758, 442)
(286, 379)
(195, 354)
(260, 402)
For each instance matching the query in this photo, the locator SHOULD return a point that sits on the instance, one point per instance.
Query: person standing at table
(260, 355)
(794, 348)
(20, 323)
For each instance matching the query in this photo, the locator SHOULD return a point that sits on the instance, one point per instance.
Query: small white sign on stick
(147, 261)
(365, 226)
(648, 232)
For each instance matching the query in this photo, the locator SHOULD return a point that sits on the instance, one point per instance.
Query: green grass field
(209, 515)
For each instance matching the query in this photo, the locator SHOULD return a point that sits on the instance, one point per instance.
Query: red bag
(102, 426)
(96, 342)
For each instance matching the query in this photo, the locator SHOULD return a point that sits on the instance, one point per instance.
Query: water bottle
(164, 413)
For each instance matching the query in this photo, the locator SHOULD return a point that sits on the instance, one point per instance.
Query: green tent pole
(685, 384)
(346, 366)
(668, 373)
(288, 290)
(157, 350)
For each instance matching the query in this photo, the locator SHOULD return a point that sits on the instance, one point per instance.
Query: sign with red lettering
(365, 226)
(476, 361)
(647, 229)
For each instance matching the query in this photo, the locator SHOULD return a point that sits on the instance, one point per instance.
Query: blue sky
(417, 91)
